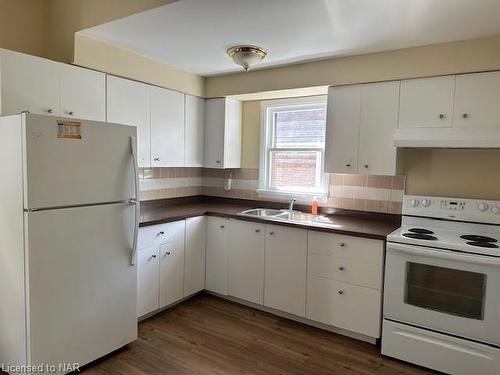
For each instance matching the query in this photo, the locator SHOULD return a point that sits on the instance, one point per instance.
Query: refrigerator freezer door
(64, 170)
(82, 290)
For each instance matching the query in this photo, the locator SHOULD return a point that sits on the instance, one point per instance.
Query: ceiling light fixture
(246, 56)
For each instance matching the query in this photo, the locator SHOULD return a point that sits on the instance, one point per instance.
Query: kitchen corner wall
(355, 192)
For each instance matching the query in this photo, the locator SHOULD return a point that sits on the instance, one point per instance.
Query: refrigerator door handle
(133, 146)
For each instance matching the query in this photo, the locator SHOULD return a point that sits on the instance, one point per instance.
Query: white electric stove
(442, 286)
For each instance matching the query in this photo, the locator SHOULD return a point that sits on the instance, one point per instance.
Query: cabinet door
(194, 266)
(477, 99)
(29, 83)
(427, 102)
(83, 93)
(128, 102)
(342, 129)
(167, 128)
(171, 272)
(148, 280)
(195, 131)
(217, 249)
(343, 305)
(232, 134)
(215, 115)
(285, 269)
(379, 120)
(246, 261)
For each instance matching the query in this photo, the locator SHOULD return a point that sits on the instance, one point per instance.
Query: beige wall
(98, 55)
(23, 26)
(457, 57)
(250, 137)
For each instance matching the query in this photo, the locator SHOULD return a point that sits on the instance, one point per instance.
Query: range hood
(453, 137)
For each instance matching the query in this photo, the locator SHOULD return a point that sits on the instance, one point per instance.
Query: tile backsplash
(357, 192)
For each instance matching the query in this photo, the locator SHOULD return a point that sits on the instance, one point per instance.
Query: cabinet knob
(161, 233)
(271, 233)
(366, 166)
(441, 115)
(257, 230)
(156, 159)
(153, 256)
(342, 244)
(341, 268)
(465, 115)
(168, 253)
(217, 161)
(71, 113)
(50, 110)
(222, 226)
(340, 292)
(348, 165)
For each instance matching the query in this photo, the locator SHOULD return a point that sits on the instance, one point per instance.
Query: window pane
(295, 170)
(446, 290)
(301, 128)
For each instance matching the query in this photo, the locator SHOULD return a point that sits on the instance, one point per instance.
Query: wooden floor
(209, 335)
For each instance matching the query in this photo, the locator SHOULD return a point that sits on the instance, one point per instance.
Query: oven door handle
(444, 254)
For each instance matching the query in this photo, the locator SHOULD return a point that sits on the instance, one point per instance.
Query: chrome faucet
(291, 202)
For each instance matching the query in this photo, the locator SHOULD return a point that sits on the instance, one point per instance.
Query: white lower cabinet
(217, 254)
(194, 257)
(171, 272)
(148, 280)
(344, 282)
(285, 269)
(246, 260)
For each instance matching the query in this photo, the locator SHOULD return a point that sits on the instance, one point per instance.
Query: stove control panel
(459, 209)
(454, 205)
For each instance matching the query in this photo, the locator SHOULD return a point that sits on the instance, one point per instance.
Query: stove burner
(483, 244)
(420, 236)
(474, 238)
(420, 231)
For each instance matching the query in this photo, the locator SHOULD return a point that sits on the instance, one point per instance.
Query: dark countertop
(353, 223)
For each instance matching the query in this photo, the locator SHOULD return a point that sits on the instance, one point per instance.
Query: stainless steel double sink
(284, 215)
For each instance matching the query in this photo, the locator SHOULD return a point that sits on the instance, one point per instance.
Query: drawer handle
(271, 233)
(340, 292)
(161, 233)
(257, 230)
(342, 268)
(222, 226)
(342, 244)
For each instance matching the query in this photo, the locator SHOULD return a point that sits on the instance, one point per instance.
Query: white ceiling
(193, 35)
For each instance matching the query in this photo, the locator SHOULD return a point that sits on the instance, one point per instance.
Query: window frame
(268, 109)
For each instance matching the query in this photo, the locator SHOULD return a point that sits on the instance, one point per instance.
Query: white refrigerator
(69, 216)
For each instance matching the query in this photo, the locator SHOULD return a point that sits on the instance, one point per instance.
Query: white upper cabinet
(477, 99)
(246, 261)
(427, 102)
(29, 83)
(128, 102)
(37, 85)
(83, 93)
(222, 133)
(361, 120)
(342, 131)
(167, 128)
(379, 120)
(195, 131)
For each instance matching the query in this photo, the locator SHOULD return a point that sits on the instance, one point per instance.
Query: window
(292, 147)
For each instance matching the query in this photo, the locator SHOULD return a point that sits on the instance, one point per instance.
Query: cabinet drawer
(346, 247)
(354, 308)
(347, 270)
(161, 233)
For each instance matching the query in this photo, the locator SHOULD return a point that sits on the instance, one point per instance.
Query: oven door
(446, 291)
